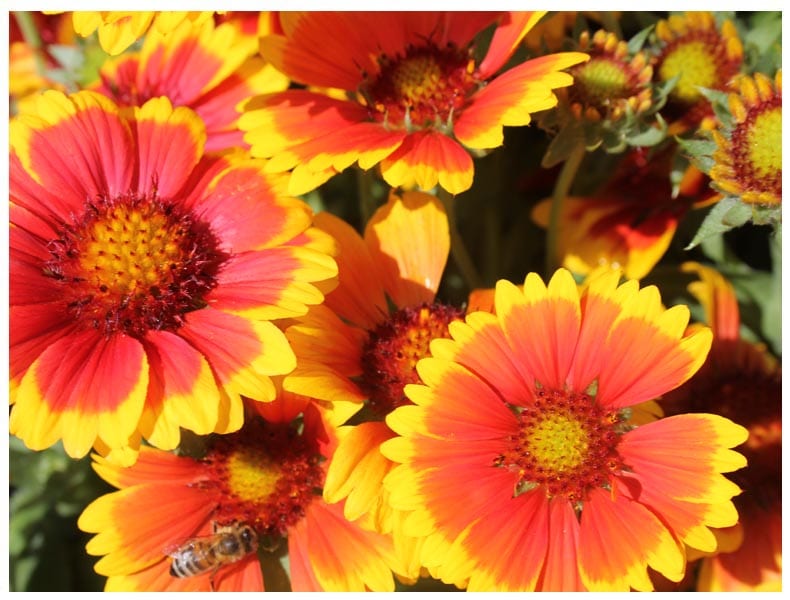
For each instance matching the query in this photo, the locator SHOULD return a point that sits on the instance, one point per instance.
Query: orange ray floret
(419, 103)
(520, 462)
(129, 252)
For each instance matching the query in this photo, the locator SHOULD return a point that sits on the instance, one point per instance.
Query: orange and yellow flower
(741, 381)
(693, 48)
(748, 158)
(630, 222)
(522, 459)
(117, 30)
(211, 69)
(266, 476)
(145, 276)
(419, 105)
(360, 348)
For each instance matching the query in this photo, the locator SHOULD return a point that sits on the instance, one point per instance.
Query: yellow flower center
(421, 89)
(134, 263)
(566, 444)
(416, 78)
(558, 442)
(252, 474)
(131, 249)
(601, 81)
(266, 474)
(695, 65)
(764, 140)
(390, 356)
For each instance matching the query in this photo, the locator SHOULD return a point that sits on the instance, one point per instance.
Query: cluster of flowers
(237, 358)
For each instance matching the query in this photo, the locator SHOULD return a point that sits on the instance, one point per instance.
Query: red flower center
(133, 263)
(565, 443)
(266, 474)
(390, 356)
(757, 148)
(422, 89)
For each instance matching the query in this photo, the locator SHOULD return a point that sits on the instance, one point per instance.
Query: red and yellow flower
(748, 158)
(741, 381)
(630, 222)
(522, 460)
(145, 276)
(211, 69)
(265, 476)
(419, 102)
(693, 48)
(360, 348)
(117, 30)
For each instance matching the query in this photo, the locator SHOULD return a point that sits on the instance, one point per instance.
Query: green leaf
(699, 152)
(649, 135)
(727, 214)
(636, 43)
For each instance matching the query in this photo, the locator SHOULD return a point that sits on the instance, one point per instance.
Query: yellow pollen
(765, 143)
(252, 474)
(558, 442)
(696, 67)
(130, 250)
(415, 79)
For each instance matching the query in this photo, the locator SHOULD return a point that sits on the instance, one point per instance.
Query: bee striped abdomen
(193, 559)
(228, 544)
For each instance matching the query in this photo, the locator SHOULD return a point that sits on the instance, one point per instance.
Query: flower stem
(561, 188)
(457, 247)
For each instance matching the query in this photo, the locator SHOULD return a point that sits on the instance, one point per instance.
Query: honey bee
(226, 545)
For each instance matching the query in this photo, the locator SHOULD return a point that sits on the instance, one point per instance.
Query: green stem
(561, 188)
(457, 247)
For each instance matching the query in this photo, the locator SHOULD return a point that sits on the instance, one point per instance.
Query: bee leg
(211, 580)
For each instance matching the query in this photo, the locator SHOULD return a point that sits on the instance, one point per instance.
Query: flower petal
(512, 97)
(344, 557)
(182, 391)
(82, 387)
(170, 142)
(542, 325)
(512, 28)
(412, 272)
(251, 210)
(619, 539)
(359, 297)
(76, 147)
(357, 469)
(428, 158)
(272, 284)
(243, 354)
(634, 371)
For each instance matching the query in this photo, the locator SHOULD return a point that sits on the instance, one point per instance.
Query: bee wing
(178, 547)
